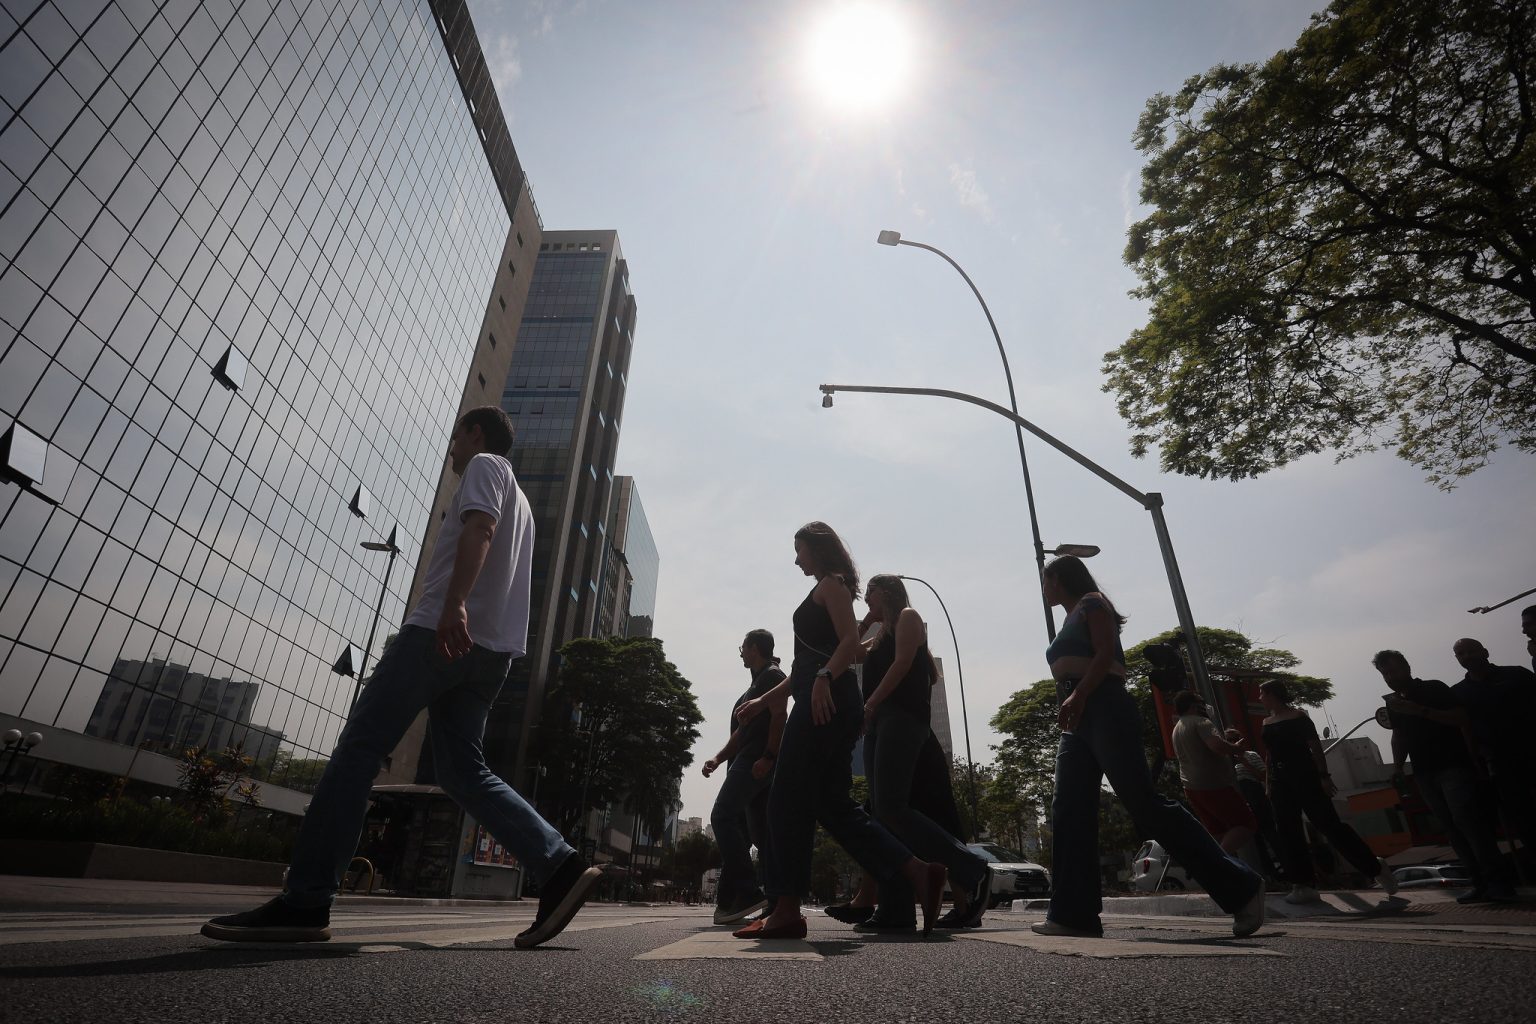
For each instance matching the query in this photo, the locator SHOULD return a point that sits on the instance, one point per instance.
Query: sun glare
(859, 56)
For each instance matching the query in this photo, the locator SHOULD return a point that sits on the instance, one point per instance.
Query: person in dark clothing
(1299, 784)
(1528, 627)
(1101, 735)
(1429, 727)
(1253, 783)
(1501, 705)
(899, 672)
(740, 814)
(814, 774)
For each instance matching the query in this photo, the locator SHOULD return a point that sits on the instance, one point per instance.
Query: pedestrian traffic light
(1167, 674)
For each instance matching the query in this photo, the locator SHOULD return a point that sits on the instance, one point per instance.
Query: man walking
(1210, 783)
(1429, 729)
(740, 814)
(451, 657)
(1253, 784)
(1528, 627)
(1501, 704)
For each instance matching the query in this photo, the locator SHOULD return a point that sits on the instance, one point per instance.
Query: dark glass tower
(245, 251)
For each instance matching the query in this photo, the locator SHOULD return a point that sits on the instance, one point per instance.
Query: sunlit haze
(858, 56)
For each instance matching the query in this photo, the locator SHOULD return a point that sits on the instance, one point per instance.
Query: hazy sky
(747, 194)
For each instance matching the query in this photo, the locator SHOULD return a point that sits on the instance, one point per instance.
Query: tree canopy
(638, 721)
(1342, 249)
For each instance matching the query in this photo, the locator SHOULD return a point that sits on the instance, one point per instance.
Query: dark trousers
(812, 784)
(1455, 798)
(1296, 794)
(891, 747)
(1107, 743)
(1512, 787)
(740, 820)
(1268, 838)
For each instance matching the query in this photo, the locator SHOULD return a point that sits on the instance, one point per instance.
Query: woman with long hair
(899, 672)
(814, 775)
(1299, 784)
(1101, 737)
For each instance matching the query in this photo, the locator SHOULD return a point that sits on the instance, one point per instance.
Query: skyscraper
(245, 252)
(628, 588)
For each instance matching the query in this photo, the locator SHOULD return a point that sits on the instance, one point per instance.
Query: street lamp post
(1151, 501)
(965, 721)
(375, 545)
(894, 238)
(16, 745)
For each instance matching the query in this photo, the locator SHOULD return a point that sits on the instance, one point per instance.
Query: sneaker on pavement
(953, 918)
(1302, 894)
(560, 897)
(731, 913)
(979, 895)
(1387, 880)
(1476, 895)
(849, 913)
(273, 921)
(1251, 918)
(876, 926)
(1056, 928)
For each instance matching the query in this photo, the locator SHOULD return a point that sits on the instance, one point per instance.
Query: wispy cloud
(969, 191)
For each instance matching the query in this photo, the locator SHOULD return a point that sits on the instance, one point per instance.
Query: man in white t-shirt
(451, 657)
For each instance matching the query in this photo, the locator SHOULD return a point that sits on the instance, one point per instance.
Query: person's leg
(933, 791)
(791, 812)
(1112, 728)
(729, 818)
(403, 682)
(1294, 852)
(1075, 897)
(456, 720)
(1319, 809)
(1267, 841)
(901, 737)
(761, 835)
(1457, 789)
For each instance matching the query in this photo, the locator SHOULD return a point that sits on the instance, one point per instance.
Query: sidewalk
(1428, 907)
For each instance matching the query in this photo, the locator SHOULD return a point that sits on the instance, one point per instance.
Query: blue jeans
(812, 783)
(1108, 743)
(457, 696)
(740, 818)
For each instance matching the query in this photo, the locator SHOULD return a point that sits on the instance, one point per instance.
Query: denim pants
(812, 783)
(740, 819)
(457, 696)
(1108, 743)
(891, 747)
(1296, 793)
(1455, 798)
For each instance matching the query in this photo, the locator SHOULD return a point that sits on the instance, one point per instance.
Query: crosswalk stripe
(720, 944)
(1109, 949)
(388, 942)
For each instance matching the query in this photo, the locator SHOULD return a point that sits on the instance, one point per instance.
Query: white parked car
(1013, 877)
(1147, 870)
(1433, 876)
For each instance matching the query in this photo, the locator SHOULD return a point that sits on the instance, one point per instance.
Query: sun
(859, 56)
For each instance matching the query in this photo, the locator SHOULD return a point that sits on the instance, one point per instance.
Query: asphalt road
(139, 958)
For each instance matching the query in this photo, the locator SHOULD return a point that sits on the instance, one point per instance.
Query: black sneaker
(1477, 895)
(730, 913)
(882, 926)
(954, 918)
(561, 896)
(848, 913)
(273, 921)
(980, 896)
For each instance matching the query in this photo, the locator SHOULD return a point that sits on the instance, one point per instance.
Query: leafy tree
(638, 721)
(1342, 251)
(300, 773)
(693, 855)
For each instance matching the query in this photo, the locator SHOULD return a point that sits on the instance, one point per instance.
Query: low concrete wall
(105, 860)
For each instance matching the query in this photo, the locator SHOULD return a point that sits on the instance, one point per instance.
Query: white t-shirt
(498, 602)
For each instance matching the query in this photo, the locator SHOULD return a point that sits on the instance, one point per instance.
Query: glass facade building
(245, 251)
(565, 394)
(631, 568)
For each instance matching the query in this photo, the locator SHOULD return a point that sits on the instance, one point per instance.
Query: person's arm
(1101, 629)
(453, 638)
(1445, 716)
(834, 597)
(909, 636)
(1399, 752)
(1215, 741)
(1319, 758)
(764, 764)
(779, 695)
(726, 753)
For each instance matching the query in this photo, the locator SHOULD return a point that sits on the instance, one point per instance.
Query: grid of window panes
(300, 182)
(644, 566)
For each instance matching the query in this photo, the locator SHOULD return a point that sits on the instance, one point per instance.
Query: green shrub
(158, 826)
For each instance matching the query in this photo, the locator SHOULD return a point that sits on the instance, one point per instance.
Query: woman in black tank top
(814, 775)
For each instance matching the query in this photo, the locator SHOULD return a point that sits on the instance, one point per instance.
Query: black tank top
(1289, 744)
(815, 636)
(913, 692)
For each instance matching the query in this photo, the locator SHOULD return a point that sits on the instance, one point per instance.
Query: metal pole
(1013, 403)
(1153, 503)
(357, 686)
(1340, 739)
(965, 721)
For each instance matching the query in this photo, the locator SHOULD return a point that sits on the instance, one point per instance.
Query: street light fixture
(965, 721)
(15, 745)
(1151, 501)
(893, 238)
(1080, 550)
(375, 545)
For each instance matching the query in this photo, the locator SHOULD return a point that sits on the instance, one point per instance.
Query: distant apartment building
(245, 257)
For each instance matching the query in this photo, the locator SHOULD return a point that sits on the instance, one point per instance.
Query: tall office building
(628, 588)
(565, 394)
(245, 252)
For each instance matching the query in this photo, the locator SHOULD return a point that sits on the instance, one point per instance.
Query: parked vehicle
(1433, 876)
(1147, 869)
(1013, 877)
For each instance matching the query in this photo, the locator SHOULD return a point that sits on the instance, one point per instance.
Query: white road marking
(1110, 949)
(720, 944)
